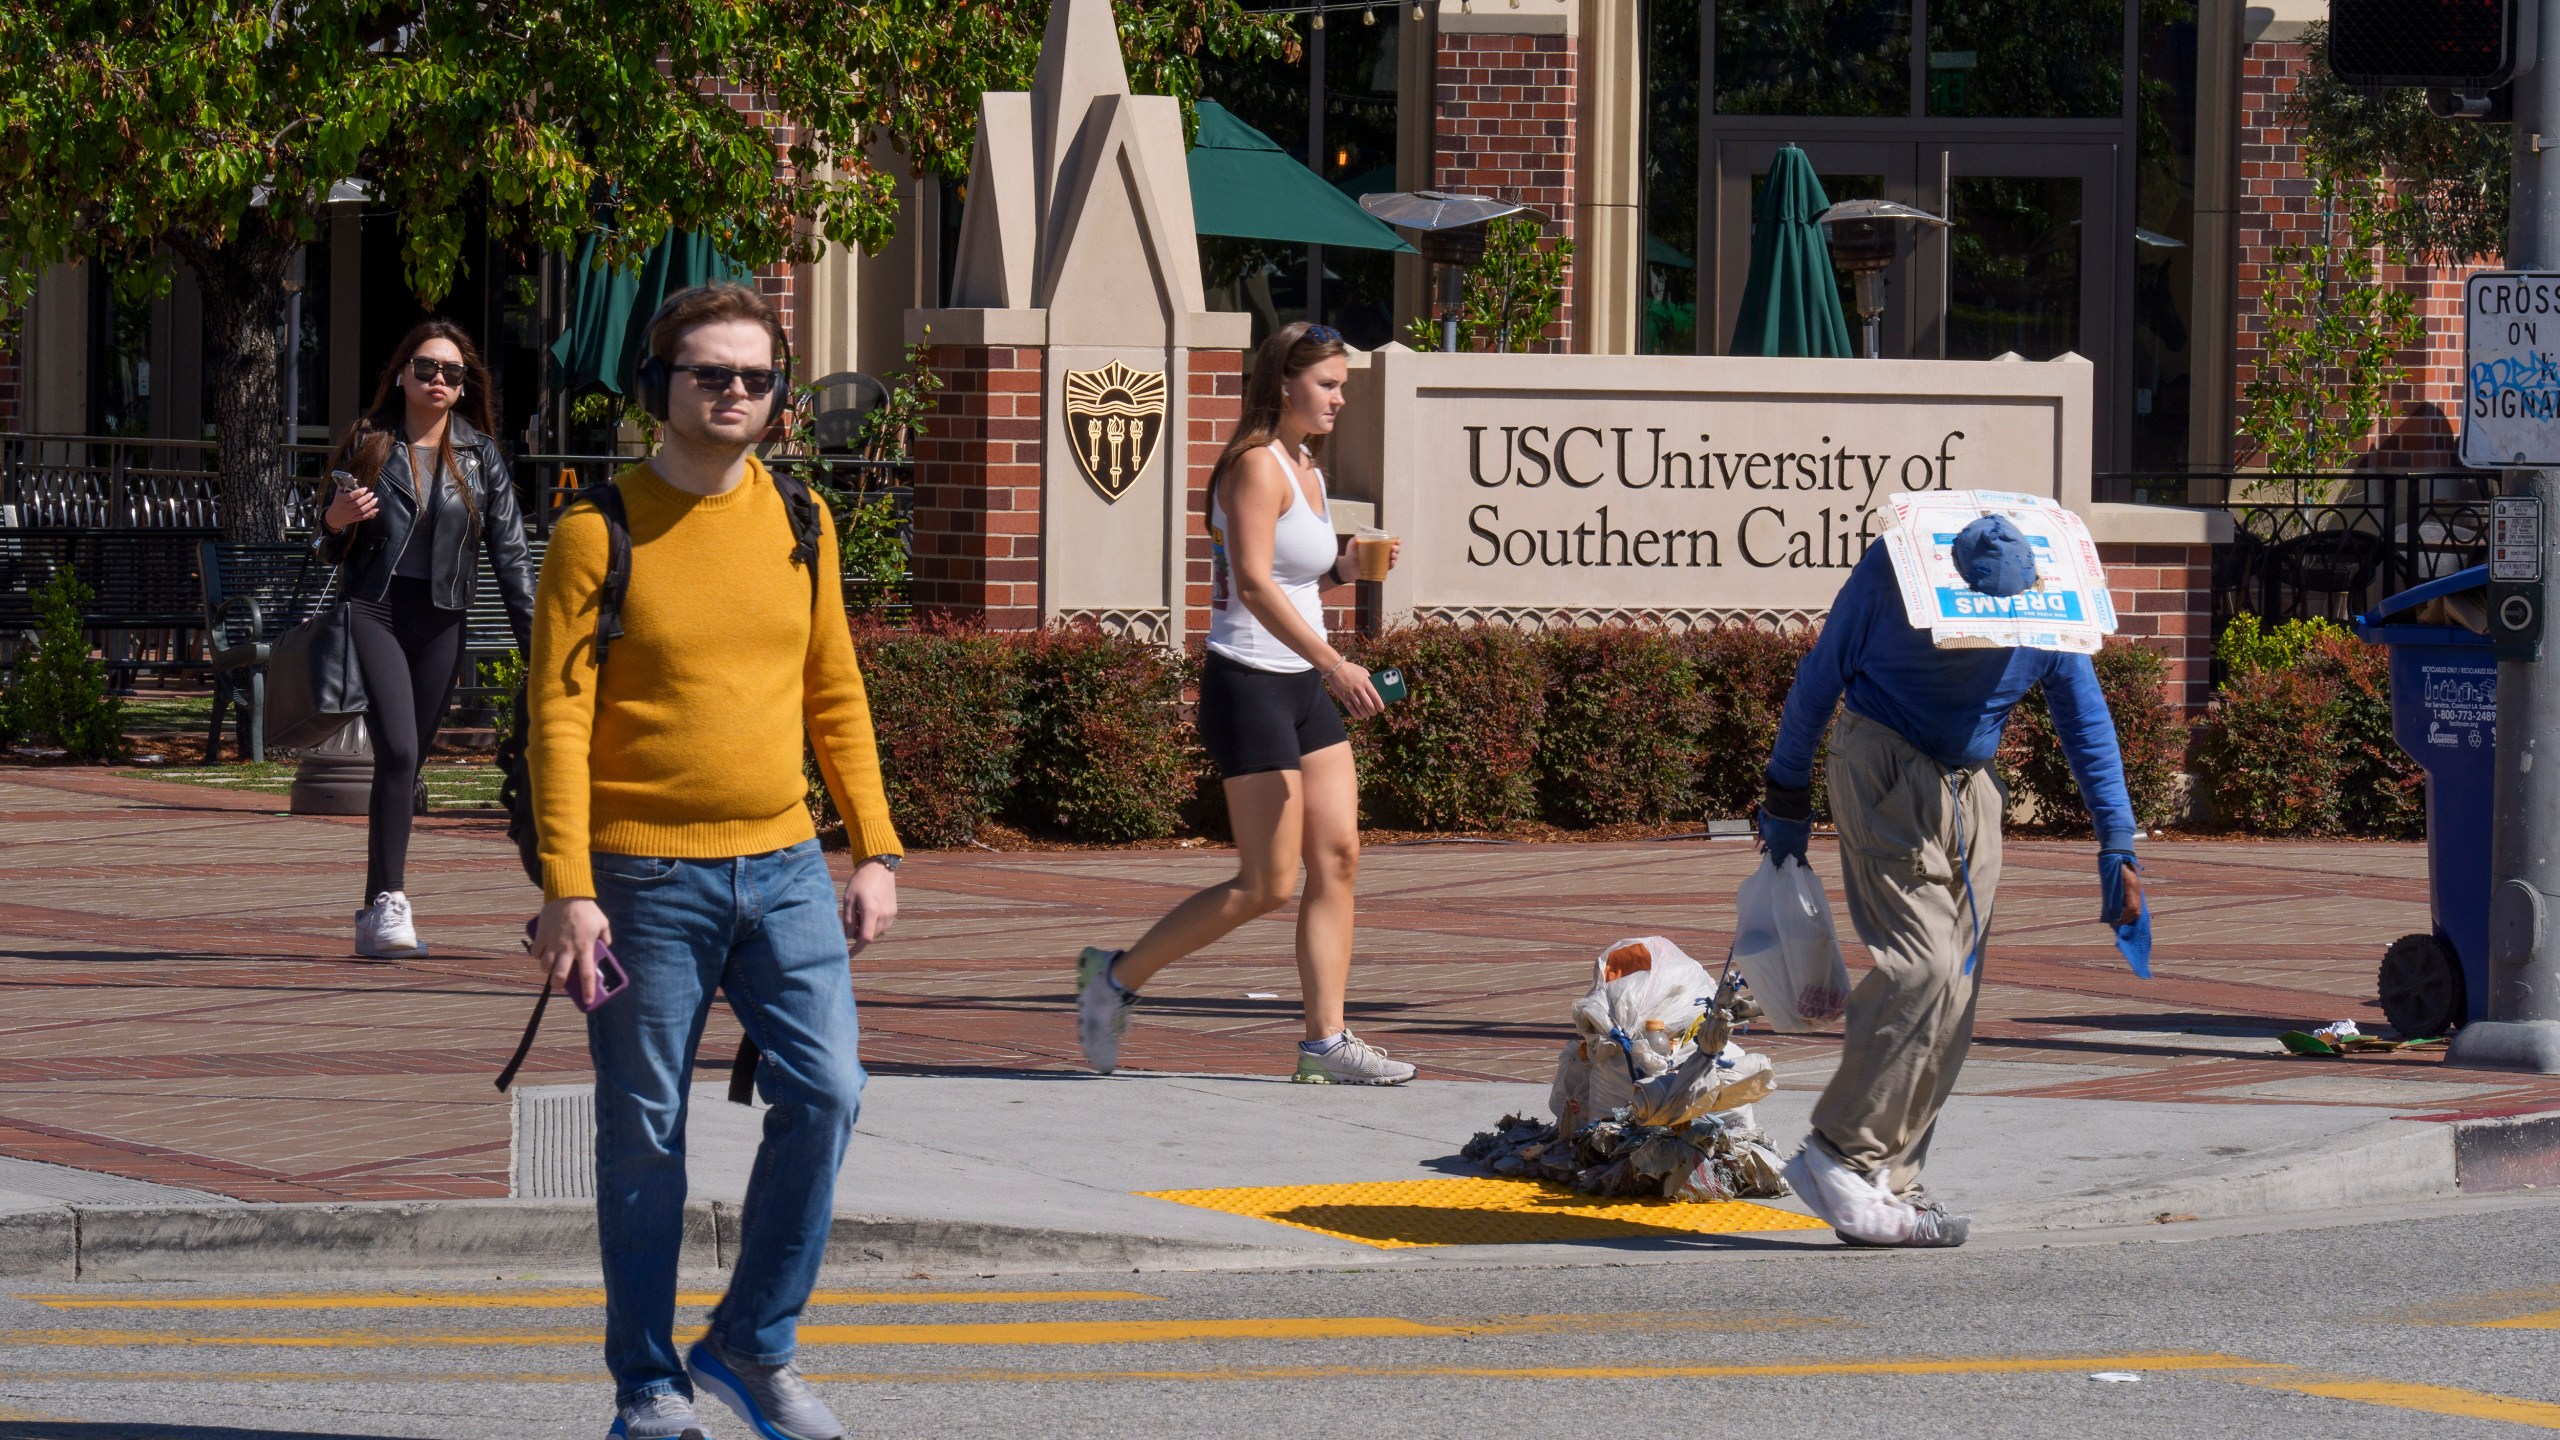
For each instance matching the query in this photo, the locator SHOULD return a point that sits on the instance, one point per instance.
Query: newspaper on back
(2067, 609)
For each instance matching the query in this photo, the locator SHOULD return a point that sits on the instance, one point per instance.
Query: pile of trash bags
(1652, 1096)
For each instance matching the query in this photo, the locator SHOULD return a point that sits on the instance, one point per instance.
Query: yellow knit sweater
(689, 745)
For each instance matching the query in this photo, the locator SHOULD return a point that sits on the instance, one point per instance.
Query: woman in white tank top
(1272, 693)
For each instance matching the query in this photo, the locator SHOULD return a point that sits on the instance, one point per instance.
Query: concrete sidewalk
(185, 1036)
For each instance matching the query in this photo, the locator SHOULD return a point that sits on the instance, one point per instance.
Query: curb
(192, 1242)
(2396, 1162)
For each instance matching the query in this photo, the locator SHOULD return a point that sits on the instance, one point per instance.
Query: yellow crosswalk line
(562, 1299)
(2541, 1320)
(996, 1332)
(2159, 1363)
(2428, 1399)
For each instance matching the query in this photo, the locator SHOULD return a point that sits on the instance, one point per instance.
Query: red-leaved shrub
(1461, 752)
(1104, 756)
(1619, 742)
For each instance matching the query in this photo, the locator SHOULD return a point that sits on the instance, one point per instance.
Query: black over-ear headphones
(650, 380)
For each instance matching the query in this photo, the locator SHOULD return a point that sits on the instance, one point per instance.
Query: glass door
(2030, 264)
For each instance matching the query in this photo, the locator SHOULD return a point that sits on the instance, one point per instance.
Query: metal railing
(2327, 545)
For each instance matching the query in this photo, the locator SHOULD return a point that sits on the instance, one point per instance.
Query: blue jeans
(765, 928)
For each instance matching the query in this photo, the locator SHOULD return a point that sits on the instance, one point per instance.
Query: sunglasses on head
(715, 379)
(1324, 335)
(430, 371)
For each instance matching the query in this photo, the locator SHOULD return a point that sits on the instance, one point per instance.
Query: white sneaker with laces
(387, 928)
(1350, 1060)
(1102, 1009)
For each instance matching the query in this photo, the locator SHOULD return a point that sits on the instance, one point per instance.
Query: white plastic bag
(1785, 945)
(1649, 978)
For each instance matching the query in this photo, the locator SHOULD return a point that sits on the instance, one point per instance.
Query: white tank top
(1303, 552)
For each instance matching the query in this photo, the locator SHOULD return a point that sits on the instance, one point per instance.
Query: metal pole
(2522, 1031)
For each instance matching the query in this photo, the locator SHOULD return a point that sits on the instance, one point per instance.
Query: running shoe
(386, 929)
(1102, 1009)
(661, 1415)
(1349, 1060)
(774, 1401)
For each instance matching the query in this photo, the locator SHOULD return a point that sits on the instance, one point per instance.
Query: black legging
(410, 653)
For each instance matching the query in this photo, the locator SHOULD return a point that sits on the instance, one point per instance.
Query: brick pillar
(977, 500)
(2164, 599)
(1506, 125)
(1215, 404)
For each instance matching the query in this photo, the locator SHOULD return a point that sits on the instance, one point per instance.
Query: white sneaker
(1102, 1009)
(387, 929)
(1350, 1061)
(1859, 1208)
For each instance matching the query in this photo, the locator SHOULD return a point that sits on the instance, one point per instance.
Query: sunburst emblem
(1115, 420)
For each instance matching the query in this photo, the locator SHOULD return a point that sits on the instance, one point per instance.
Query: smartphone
(611, 980)
(1390, 684)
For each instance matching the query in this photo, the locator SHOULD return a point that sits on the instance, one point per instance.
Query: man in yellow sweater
(669, 798)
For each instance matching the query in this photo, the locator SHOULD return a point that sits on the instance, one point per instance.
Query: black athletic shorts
(1254, 721)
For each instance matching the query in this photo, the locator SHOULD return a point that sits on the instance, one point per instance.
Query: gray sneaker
(1102, 1009)
(661, 1416)
(774, 1401)
(1351, 1061)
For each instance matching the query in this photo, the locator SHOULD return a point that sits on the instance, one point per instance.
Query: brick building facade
(1505, 112)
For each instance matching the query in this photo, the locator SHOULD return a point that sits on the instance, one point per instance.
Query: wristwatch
(890, 862)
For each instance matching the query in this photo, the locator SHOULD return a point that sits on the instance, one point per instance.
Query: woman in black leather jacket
(421, 488)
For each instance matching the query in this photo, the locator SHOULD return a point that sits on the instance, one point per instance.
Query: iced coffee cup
(1372, 550)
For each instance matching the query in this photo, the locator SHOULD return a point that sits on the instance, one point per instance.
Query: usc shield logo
(1115, 421)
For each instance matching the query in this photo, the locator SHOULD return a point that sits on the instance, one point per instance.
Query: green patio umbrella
(608, 306)
(1791, 302)
(1244, 185)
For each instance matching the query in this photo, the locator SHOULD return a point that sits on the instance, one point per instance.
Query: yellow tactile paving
(1396, 1214)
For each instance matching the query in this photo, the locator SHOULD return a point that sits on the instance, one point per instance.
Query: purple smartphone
(608, 972)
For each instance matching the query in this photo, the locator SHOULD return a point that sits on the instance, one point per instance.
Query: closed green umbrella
(1791, 302)
(609, 307)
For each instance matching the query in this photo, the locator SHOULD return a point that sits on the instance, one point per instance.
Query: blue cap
(1993, 557)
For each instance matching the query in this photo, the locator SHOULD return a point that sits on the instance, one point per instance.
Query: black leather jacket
(372, 548)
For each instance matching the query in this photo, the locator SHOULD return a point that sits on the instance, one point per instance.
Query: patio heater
(1864, 236)
(1449, 230)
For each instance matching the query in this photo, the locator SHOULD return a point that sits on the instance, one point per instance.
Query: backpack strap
(805, 526)
(606, 497)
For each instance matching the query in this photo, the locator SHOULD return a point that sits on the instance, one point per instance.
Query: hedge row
(1076, 733)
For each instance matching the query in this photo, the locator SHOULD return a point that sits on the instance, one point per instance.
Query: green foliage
(2449, 179)
(2150, 737)
(1460, 753)
(1744, 673)
(2245, 645)
(1511, 296)
(1619, 742)
(2300, 740)
(2263, 760)
(2329, 354)
(503, 676)
(1102, 752)
(892, 427)
(947, 707)
(60, 694)
(214, 131)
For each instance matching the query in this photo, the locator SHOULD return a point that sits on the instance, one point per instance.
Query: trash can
(2444, 712)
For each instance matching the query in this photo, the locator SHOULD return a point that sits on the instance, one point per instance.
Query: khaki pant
(1910, 1020)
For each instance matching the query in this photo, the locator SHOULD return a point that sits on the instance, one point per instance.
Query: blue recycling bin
(2444, 712)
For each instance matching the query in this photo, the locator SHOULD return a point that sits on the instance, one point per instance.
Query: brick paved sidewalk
(181, 1007)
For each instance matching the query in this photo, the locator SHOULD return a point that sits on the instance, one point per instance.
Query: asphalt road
(2441, 1322)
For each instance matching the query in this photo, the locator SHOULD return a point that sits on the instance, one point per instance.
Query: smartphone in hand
(611, 979)
(1390, 684)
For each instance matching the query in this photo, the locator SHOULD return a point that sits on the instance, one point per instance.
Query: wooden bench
(253, 593)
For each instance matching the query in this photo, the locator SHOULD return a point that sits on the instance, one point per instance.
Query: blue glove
(1786, 822)
(2133, 941)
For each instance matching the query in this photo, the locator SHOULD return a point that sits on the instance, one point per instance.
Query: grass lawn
(449, 786)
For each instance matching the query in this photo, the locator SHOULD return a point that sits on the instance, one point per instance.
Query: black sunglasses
(429, 371)
(716, 378)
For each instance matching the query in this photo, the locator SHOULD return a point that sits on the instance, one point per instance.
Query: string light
(1369, 16)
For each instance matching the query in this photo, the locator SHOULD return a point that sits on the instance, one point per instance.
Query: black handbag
(314, 685)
